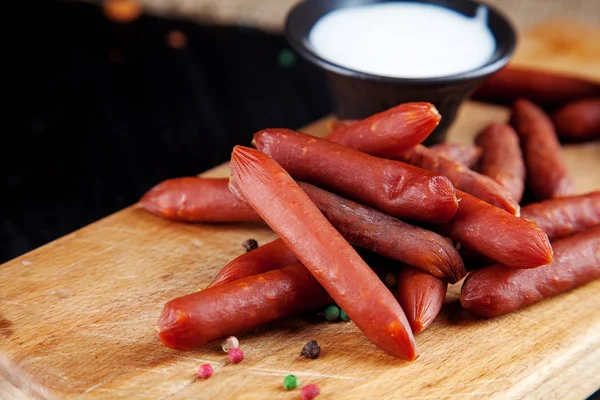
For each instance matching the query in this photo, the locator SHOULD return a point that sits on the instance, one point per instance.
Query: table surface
(77, 316)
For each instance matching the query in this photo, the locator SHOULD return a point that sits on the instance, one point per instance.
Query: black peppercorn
(250, 245)
(311, 350)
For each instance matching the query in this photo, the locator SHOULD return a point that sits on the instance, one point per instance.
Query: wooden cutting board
(77, 316)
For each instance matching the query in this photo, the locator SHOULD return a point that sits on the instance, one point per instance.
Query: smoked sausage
(387, 236)
(497, 290)
(270, 256)
(401, 127)
(421, 296)
(546, 170)
(578, 121)
(198, 318)
(466, 154)
(193, 199)
(502, 159)
(498, 235)
(565, 216)
(282, 204)
(396, 188)
(546, 88)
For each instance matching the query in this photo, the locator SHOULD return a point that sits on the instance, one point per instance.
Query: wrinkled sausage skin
(502, 159)
(565, 216)
(497, 290)
(394, 187)
(198, 318)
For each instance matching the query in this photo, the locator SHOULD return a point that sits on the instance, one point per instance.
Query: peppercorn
(290, 382)
(230, 343)
(205, 371)
(235, 355)
(344, 316)
(332, 313)
(309, 392)
(250, 245)
(311, 350)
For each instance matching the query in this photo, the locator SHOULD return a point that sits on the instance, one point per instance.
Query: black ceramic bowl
(358, 95)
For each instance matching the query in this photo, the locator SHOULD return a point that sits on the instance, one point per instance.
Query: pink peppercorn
(309, 392)
(205, 371)
(235, 355)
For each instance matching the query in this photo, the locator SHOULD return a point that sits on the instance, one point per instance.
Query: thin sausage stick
(578, 121)
(497, 290)
(198, 318)
(502, 159)
(401, 127)
(193, 199)
(546, 170)
(282, 204)
(387, 236)
(421, 296)
(499, 235)
(396, 188)
(270, 256)
(565, 216)
(546, 88)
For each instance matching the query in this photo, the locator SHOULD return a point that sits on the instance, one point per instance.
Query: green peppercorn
(332, 313)
(344, 316)
(290, 382)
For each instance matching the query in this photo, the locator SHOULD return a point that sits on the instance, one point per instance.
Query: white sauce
(403, 40)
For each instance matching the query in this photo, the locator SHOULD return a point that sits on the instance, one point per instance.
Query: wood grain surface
(77, 316)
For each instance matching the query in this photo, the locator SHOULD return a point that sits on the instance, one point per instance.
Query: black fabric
(112, 109)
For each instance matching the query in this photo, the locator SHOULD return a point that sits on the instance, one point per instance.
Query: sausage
(387, 236)
(193, 199)
(462, 178)
(401, 127)
(498, 290)
(546, 170)
(565, 216)
(546, 88)
(502, 159)
(466, 154)
(497, 234)
(578, 121)
(393, 187)
(282, 204)
(198, 318)
(421, 296)
(273, 255)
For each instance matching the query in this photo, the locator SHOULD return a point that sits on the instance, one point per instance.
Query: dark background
(112, 109)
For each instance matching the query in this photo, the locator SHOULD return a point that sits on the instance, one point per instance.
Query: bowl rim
(297, 41)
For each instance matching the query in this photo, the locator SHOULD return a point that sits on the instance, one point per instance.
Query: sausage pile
(431, 213)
